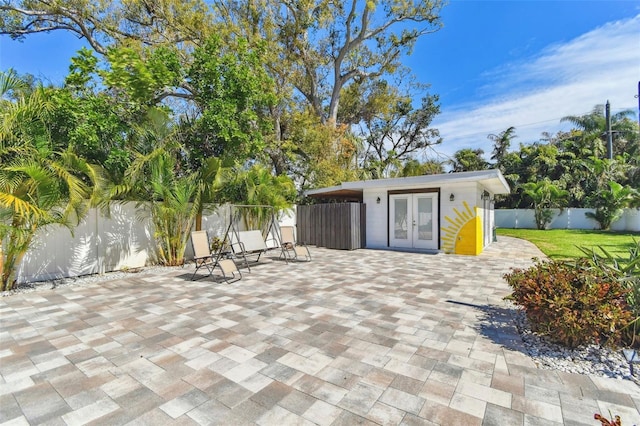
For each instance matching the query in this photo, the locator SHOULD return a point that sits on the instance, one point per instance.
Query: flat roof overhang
(339, 194)
(493, 180)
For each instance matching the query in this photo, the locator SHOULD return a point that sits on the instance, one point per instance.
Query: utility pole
(638, 96)
(609, 135)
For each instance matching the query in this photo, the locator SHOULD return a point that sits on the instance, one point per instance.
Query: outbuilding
(452, 212)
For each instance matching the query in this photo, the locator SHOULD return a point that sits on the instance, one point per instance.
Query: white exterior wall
(376, 217)
(573, 218)
(377, 214)
(471, 193)
(463, 192)
(100, 244)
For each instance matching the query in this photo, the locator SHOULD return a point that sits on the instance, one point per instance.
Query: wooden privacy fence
(334, 226)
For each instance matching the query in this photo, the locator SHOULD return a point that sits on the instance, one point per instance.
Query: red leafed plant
(606, 422)
(572, 303)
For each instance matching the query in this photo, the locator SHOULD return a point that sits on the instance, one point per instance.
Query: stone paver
(353, 337)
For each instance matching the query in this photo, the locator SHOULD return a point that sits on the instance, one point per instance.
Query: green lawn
(562, 243)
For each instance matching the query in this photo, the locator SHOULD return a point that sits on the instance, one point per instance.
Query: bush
(627, 271)
(571, 303)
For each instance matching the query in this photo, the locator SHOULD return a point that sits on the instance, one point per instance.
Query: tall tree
(326, 45)
(592, 129)
(391, 128)
(413, 167)
(105, 23)
(468, 159)
(233, 96)
(318, 49)
(501, 144)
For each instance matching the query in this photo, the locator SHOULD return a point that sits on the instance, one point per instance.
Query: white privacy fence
(572, 218)
(100, 244)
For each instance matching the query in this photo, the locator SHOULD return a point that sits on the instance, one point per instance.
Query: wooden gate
(335, 226)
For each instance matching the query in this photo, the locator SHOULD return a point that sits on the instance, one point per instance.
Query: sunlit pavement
(352, 337)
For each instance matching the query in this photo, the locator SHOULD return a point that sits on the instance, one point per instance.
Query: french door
(413, 220)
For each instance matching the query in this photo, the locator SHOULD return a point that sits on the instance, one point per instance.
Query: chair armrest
(240, 244)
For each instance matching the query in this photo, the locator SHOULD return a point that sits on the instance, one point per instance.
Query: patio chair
(292, 250)
(204, 259)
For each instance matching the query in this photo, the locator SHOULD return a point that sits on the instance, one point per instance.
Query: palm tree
(38, 187)
(610, 202)
(257, 186)
(173, 198)
(592, 130)
(544, 194)
(502, 142)
(210, 179)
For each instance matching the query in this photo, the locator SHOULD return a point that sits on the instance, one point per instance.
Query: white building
(450, 212)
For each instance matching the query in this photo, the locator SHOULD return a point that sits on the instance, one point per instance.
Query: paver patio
(353, 337)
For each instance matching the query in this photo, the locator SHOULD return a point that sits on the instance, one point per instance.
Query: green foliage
(627, 271)
(170, 197)
(544, 195)
(609, 203)
(233, 93)
(257, 186)
(82, 71)
(502, 142)
(322, 155)
(574, 160)
(172, 208)
(467, 159)
(571, 303)
(91, 126)
(391, 129)
(413, 167)
(142, 76)
(39, 186)
(104, 23)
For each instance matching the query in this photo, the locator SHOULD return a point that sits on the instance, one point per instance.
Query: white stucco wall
(100, 244)
(376, 217)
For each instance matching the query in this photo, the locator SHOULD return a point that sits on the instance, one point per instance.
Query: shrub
(627, 271)
(571, 303)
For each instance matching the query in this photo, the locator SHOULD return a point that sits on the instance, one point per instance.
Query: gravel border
(84, 280)
(589, 360)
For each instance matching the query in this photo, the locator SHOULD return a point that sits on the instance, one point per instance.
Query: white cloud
(564, 79)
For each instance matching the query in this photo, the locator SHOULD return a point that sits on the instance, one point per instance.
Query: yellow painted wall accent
(464, 234)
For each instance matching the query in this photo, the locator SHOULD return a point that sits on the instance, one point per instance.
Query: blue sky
(527, 64)
(495, 64)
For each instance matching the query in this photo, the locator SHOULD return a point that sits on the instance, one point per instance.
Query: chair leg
(284, 254)
(203, 263)
(228, 266)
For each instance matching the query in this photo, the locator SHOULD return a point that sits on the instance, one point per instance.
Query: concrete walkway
(360, 337)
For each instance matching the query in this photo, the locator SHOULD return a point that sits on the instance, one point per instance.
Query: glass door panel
(425, 216)
(401, 219)
(400, 225)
